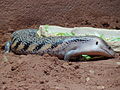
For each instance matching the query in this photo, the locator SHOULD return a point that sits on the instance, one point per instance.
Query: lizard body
(26, 42)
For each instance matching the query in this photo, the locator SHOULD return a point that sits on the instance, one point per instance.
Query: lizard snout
(109, 52)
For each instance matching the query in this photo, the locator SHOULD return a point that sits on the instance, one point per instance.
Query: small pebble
(118, 63)
(87, 79)
(100, 87)
(5, 59)
(91, 71)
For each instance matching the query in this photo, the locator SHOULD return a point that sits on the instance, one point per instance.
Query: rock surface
(107, 34)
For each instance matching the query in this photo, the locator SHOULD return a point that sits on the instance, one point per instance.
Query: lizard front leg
(71, 53)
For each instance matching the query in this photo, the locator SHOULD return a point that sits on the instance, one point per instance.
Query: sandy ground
(33, 72)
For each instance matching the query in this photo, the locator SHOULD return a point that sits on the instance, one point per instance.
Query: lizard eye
(97, 43)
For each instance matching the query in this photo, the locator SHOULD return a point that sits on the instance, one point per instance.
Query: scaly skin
(27, 42)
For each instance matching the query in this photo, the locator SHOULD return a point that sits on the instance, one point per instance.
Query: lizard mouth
(107, 52)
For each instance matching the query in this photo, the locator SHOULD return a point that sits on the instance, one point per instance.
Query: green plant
(115, 39)
(87, 57)
(46, 27)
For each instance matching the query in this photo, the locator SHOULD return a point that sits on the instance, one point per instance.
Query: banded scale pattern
(26, 41)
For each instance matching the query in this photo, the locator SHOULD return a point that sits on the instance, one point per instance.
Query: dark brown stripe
(13, 40)
(27, 46)
(18, 43)
(76, 40)
(39, 46)
(54, 45)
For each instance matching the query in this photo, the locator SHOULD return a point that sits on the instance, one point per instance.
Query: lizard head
(97, 46)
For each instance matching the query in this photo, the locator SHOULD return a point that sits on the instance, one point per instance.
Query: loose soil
(34, 72)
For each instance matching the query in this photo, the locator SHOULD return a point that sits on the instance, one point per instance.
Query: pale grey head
(97, 46)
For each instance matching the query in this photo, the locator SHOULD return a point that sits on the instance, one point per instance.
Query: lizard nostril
(109, 47)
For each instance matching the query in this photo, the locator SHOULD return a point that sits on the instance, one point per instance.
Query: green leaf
(115, 39)
(46, 27)
(87, 57)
